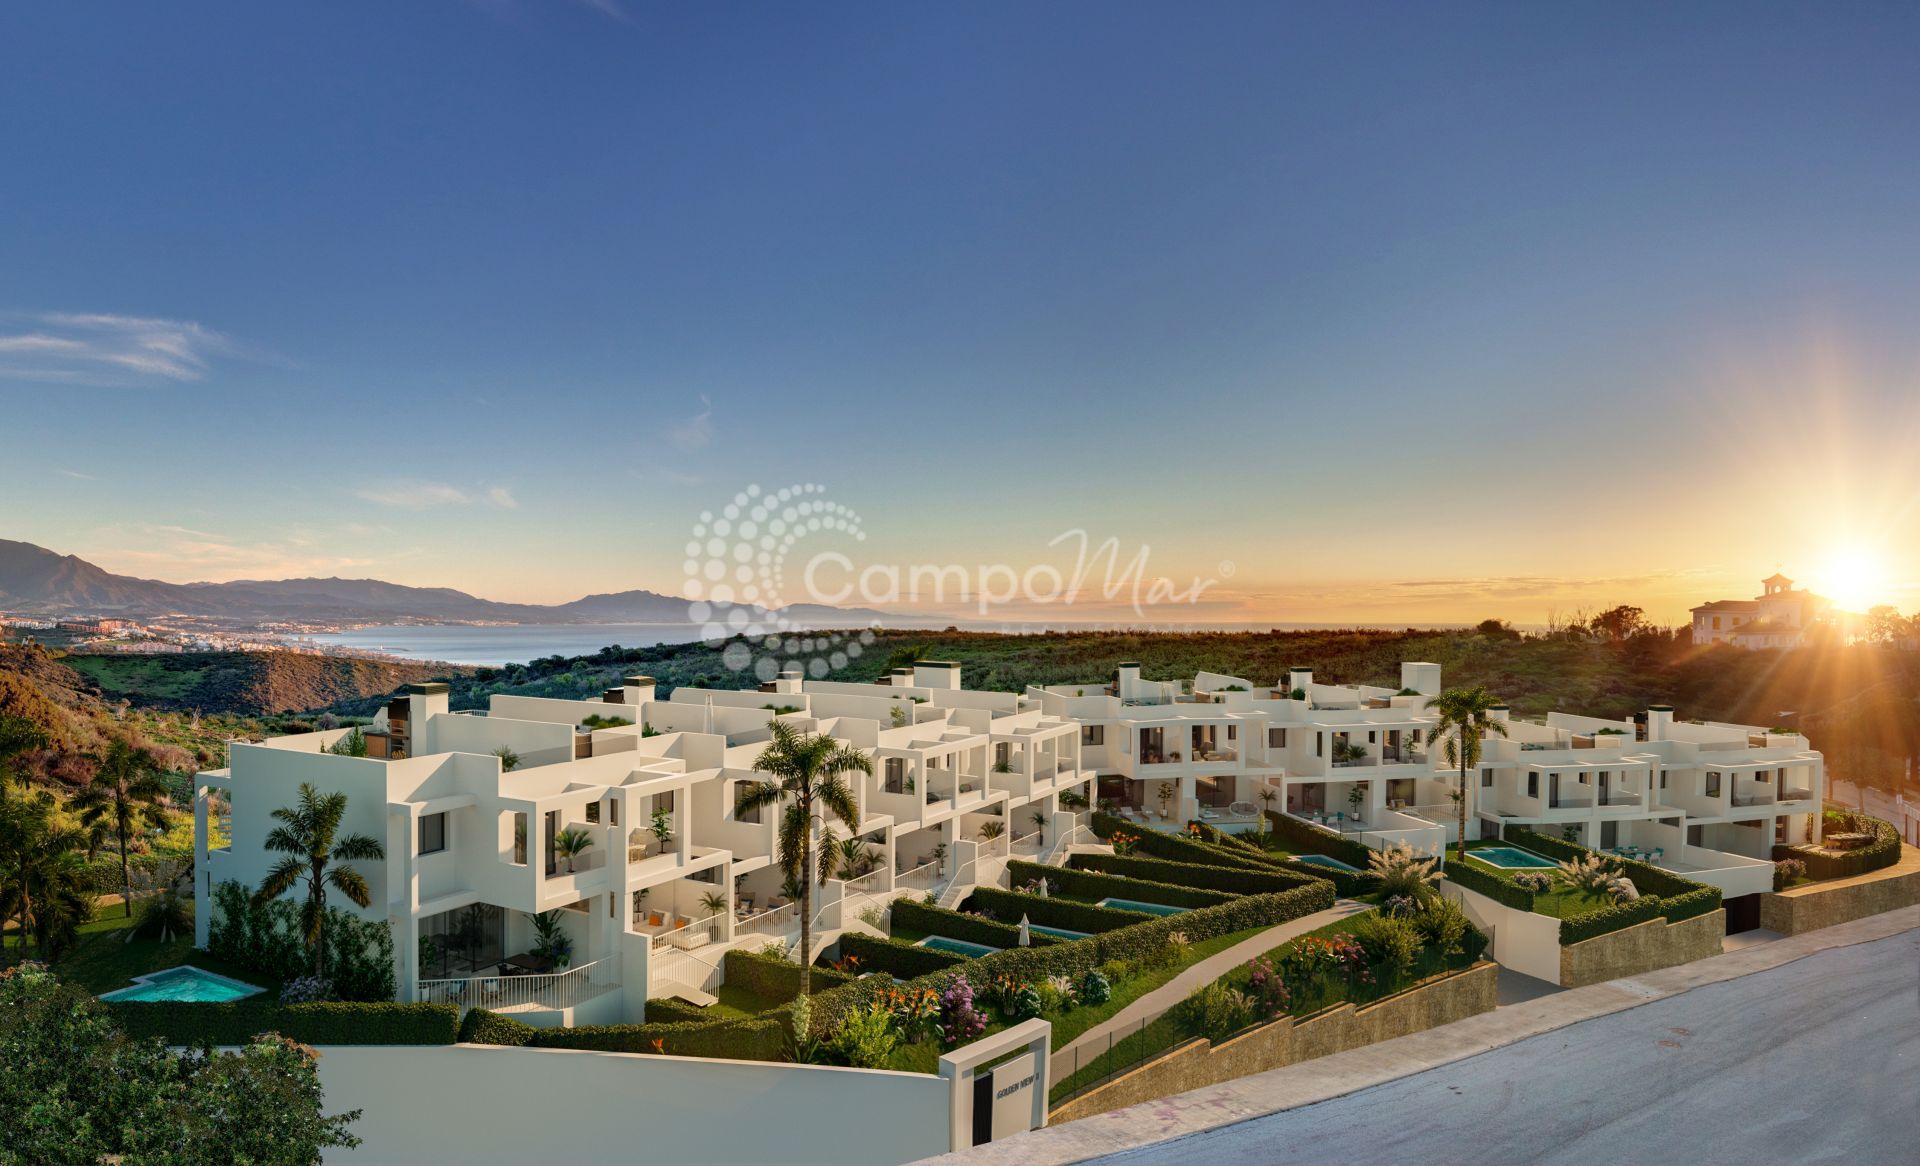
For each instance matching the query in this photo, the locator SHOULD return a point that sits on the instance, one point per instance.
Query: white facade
(1781, 616)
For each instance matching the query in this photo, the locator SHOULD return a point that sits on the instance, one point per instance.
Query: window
(1319, 744)
(1716, 623)
(1233, 732)
(593, 812)
(1373, 738)
(613, 812)
(1093, 734)
(1533, 785)
(433, 833)
(1276, 738)
(1763, 776)
(1780, 831)
(1003, 753)
(1695, 835)
(1486, 779)
(750, 816)
(1713, 784)
(896, 775)
(1663, 779)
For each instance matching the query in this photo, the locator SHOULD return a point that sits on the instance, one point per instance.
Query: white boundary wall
(479, 1103)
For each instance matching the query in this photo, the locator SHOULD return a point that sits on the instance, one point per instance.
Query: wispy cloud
(180, 553)
(106, 351)
(74, 474)
(695, 432)
(410, 494)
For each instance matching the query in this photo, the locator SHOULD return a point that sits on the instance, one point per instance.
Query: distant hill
(43, 582)
(249, 683)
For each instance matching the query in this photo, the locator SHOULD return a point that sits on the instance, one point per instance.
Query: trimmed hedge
(1233, 880)
(1662, 893)
(1080, 956)
(1306, 838)
(1096, 885)
(1882, 852)
(960, 925)
(775, 979)
(1173, 847)
(1070, 914)
(1606, 919)
(894, 957)
(182, 1022)
(1501, 890)
(667, 1010)
(758, 1039)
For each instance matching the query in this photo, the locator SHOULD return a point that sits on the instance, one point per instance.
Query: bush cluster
(757, 1039)
(266, 938)
(1882, 852)
(181, 1022)
(895, 957)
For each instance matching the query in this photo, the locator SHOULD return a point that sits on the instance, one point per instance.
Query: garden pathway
(1156, 1003)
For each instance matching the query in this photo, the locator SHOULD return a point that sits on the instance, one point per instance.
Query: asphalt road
(1814, 1061)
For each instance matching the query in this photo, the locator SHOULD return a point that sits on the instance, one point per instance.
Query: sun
(1854, 578)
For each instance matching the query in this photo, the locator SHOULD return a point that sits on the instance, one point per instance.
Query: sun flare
(1854, 578)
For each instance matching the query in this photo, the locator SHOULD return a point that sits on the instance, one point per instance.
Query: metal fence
(508, 993)
(1086, 1064)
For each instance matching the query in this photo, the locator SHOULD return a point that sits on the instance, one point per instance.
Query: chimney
(1498, 712)
(1422, 678)
(936, 674)
(1300, 678)
(1126, 679)
(788, 682)
(425, 700)
(638, 690)
(1659, 721)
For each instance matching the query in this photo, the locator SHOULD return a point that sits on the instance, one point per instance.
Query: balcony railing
(697, 933)
(775, 921)
(920, 878)
(508, 993)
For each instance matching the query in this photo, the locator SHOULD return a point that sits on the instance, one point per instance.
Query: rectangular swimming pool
(186, 983)
(1326, 861)
(1057, 932)
(1137, 905)
(1512, 858)
(956, 946)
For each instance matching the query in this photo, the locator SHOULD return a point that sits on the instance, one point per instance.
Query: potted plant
(940, 858)
(569, 842)
(1039, 820)
(1355, 798)
(550, 938)
(991, 830)
(1165, 796)
(662, 829)
(715, 905)
(1268, 795)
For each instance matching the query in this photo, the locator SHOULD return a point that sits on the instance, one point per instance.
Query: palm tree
(1039, 820)
(1465, 722)
(126, 792)
(18, 736)
(43, 880)
(307, 835)
(807, 771)
(570, 842)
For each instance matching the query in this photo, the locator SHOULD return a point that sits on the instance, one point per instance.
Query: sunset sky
(1366, 313)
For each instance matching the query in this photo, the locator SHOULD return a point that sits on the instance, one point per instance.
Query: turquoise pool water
(1057, 932)
(1512, 858)
(957, 946)
(1325, 860)
(1137, 905)
(184, 983)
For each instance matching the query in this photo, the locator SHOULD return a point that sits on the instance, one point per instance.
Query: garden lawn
(105, 960)
(737, 1003)
(925, 1056)
(1564, 901)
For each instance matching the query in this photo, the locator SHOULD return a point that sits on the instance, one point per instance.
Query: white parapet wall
(480, 1103)
(1525, 941)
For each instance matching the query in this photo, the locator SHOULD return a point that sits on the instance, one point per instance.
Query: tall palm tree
(18, 736)
(126, 792)
(807, 771)
(43, 880)
(1464, 722)
(308, 837)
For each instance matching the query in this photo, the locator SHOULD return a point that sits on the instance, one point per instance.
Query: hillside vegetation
(247, 682)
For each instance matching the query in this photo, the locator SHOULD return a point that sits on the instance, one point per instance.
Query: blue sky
(1408, 312)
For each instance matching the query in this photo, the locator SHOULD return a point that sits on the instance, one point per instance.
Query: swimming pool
(1057, 932)
(1326, 861)
(1137, 905)
(956, 946)
(186, 983)
(1512, 858)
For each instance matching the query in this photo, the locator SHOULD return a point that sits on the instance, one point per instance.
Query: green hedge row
(773, 978)
(1233, 880)
(757, 1039)
(1663, 894)
(1306, 838)
(1097, 885)
(1070, 914)
(181, 1022)
(1496, 887)
(1080, 956)
(1350, 884)
(932, 920)
(1647, 878)
(667, 1010)
(895, 957)
(1882, 852)
(1173, 847)
(1606, 919)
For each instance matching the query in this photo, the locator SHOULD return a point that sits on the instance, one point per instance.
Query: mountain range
(37, 581)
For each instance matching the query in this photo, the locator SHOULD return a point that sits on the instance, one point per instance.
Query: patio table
(527, 962)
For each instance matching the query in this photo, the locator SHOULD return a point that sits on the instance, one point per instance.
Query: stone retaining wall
(1286, 1042)
(1644, 947)
(1816, 905)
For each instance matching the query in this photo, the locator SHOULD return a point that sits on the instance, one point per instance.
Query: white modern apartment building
(671, 875)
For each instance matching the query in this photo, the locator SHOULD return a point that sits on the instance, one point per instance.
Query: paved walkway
(1155, 1004)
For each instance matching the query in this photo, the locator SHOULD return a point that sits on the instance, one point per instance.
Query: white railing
(920, 878)
(1032, 842)
(704, 969)
(995, 847)
(507, 993)
(959, 886)
(775, 921)
(697, 933)
(866, 884)
(1079, 835)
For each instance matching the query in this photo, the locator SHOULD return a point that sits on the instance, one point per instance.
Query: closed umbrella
(1026, 936)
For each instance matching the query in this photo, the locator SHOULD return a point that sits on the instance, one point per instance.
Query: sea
(508, 644)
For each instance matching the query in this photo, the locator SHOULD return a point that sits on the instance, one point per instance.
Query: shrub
(180, 1022)
(1173, 847)
(482, 1027)
(1214, 1011)
(266, 938)
(1500, 889)
(865, 1040)
(306, 990)
(1787, 871)
(1882, 852)
(759, 1039)
(1391, 943)
(1399, 872)
(1096, 988)
(1266, 990)
(896, 958)
(959, 1020)
(1444, 927)
(775, 978)
(1620, 915)
(1589, 873)
(1539, 882)
(666, 1010)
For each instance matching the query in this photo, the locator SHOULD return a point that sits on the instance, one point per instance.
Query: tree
(125, 793)
(1464, 722)
(307, 835)
(807, 771)
(1885, 626)
(1618, 623)
(18, 737)
(44, 887)
(75, 1088)
(907, 655)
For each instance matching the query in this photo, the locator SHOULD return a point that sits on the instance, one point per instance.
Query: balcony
(511, 992)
